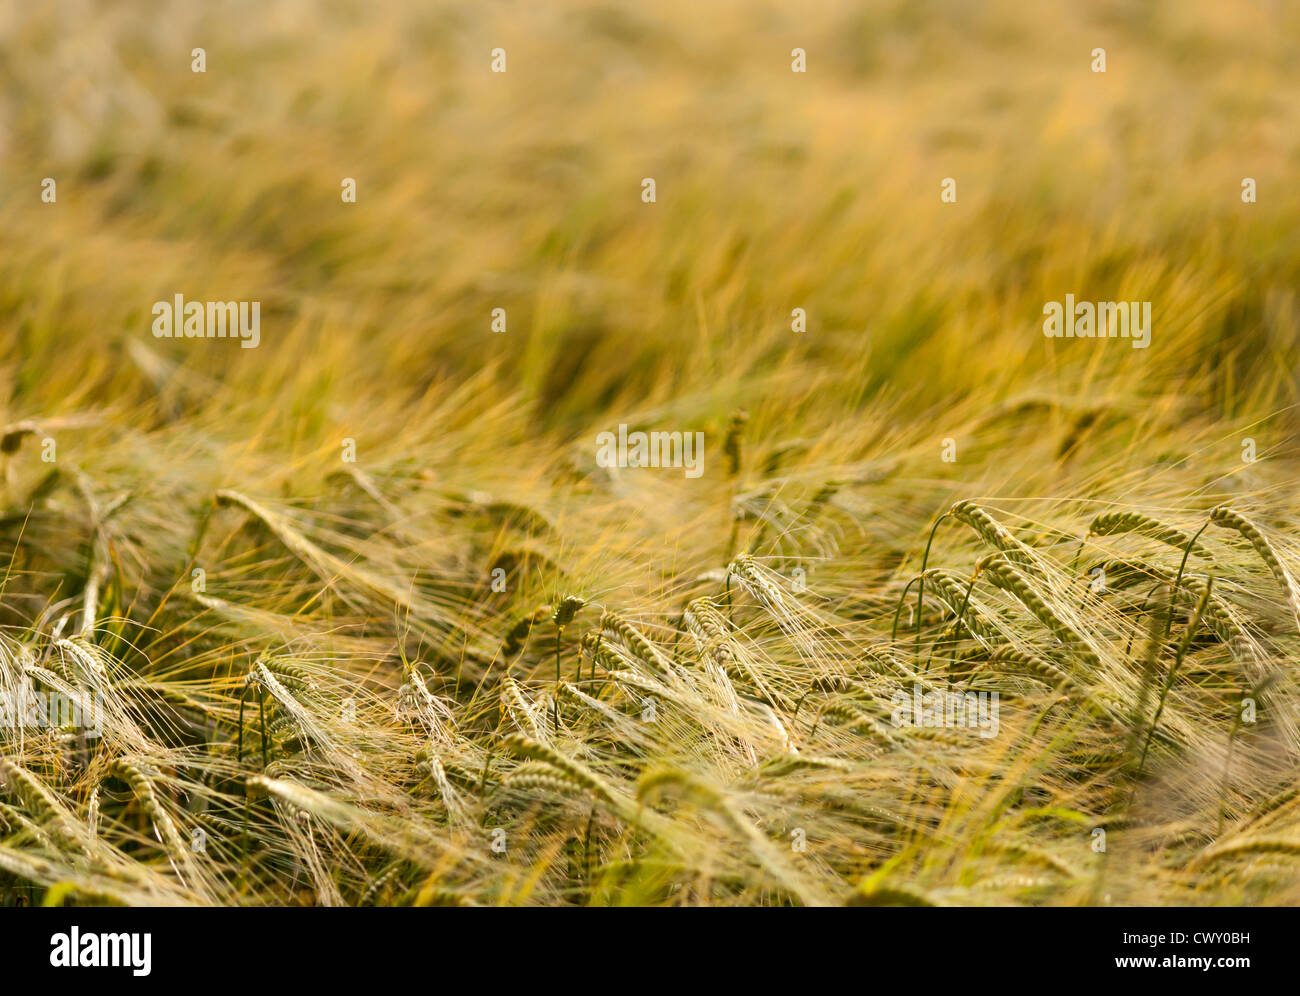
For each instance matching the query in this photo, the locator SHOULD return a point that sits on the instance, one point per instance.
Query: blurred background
(521, 190)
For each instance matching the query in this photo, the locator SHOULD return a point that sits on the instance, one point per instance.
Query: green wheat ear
(518, 633)
(1231, 519)
(569, 607)
(989, 530)
(1115, 523)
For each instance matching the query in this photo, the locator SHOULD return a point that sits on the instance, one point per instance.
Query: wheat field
(361, 616)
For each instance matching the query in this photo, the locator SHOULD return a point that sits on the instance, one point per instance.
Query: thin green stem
(1077, 553)
(555, 701)
(920, 588)
(239, 749)
(261, 706)
(893, 633)
(1183, 647)
(961, 614)
(1169, 622)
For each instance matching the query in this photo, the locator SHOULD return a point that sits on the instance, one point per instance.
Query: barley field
(367, 609)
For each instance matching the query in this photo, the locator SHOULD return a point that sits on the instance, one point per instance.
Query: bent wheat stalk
(1230, 519)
